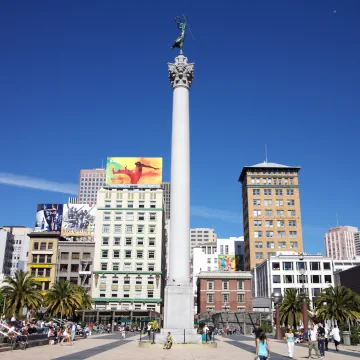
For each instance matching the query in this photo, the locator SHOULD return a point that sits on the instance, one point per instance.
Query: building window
(43, 246)
(74, 268)
(151, 241)
(126, 280)
(269, 223)
(267, 192)
(293, 244)
(129, 229)
(240, 298)
(118, 216)
(292, 234)
(221, 249)
(151, 254)
(268, 213)
(104, 266)
(288, 279)
(116, 254)
(240, 284)
(257, 212)
(152, 229)
(282, 245)
(327, 266)
(280, 223)
(152, 216)
(107, 216)
(291, 202)
(50, 245)
(276, 266)
(279, 203)
(75, 256)
(281, 234)
(267, 202)
(225, 285)
(209, 260)
(256, 202)
(117, 229)
(115, 266)
(256, 192)
(141, 216)
(64, 256)
(127, 267)
(315, 266)
(141, 204)
(226, 249)
(106, 229)
(140, 241)
(258, 234)
(259, 255)
(292, 223)
(129, 216)
(225, 298)
(151, 267)
(119, 204)
(269, 234)
(257, 223)
(278, 192)
(139, 267)
(105, 241)
(107, 203)
(104, 253)
(210, 285)
(63, 268)
(139, 254)
(280, 213)
(276, 279)
(327, 279)
(150, 294)
(270, 245)
(290, 192)
(36, 246)
(291, 213)
(258, 244)
(316, 279)
(130, 204)
(153, 204)
(116, 241)
(287, 266)
(210, 298)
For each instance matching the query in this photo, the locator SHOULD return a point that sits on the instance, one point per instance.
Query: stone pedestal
(179, 299)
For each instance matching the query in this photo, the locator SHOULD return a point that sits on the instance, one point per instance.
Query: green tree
(291, 307)
(86, 301)
(337, 303)
(63, 299)
(20, 291)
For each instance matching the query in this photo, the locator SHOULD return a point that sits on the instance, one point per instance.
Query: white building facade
(201, 236)
(340, 243)
(308, 273)
(21, 242)
(129, 259)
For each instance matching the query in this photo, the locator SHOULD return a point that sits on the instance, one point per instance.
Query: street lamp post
(304, 304)
(276, 297)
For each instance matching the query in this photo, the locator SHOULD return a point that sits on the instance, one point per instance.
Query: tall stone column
(179, 299)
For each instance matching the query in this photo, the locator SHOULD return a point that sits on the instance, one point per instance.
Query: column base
(179, 335)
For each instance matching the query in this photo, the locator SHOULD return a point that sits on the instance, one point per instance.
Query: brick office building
(224, 291)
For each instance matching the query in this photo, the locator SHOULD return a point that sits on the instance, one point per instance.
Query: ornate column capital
(181, 73)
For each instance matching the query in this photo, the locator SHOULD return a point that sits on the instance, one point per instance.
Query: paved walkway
(111, 347)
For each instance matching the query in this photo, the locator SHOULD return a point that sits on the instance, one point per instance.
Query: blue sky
(84, 80)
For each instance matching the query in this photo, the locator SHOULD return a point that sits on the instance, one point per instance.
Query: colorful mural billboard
(78, 220)
(49, 218)
(227, 262)
(141, 171)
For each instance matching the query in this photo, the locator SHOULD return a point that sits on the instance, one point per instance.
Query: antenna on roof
(337, 220)
(102, 163)
(266, 158)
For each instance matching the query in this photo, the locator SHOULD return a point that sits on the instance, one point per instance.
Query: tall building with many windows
(271, 211)
(129, 261)
(340, 243)
(90, 182)
(166, 186)
(357, 242)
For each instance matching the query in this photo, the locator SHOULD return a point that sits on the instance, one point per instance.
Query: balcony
(126, 287)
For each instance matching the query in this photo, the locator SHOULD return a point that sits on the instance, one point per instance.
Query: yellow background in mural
(144, 171)
(227, 262)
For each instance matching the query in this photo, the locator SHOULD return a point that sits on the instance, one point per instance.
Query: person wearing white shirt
(313, 342)
(335, 333)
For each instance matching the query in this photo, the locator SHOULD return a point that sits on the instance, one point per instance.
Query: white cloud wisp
(35, 183)
(211, 213)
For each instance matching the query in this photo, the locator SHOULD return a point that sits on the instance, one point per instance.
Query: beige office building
(90, 182)
(271, 211)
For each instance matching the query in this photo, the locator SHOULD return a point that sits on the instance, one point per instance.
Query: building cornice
(127, 300)
(132, 209)
(109, 272)
(224, 275)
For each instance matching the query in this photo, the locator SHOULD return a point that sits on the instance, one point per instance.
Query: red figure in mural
(134, 175)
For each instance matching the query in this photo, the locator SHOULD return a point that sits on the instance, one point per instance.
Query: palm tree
(20, 291)
(291, 307)
(63, 299)
(338, 303)
(86, 301)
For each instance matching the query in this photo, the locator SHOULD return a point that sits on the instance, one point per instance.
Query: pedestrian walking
(289, 337)
(335, 333)
(73, 331)
(262, 347)
(313, 342)
(321, 339)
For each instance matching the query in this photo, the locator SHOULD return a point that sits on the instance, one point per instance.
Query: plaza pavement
(109, 347)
